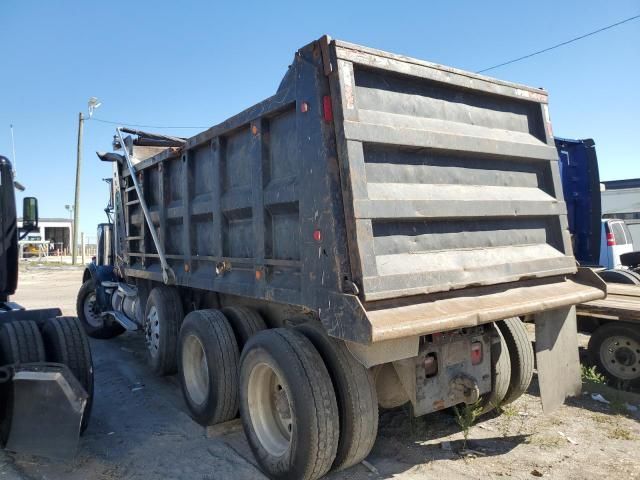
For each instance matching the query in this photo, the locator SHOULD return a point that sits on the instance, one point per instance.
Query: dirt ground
(140, 428)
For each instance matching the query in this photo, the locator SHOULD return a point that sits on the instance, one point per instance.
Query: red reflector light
(611, 240)
(476, 353)
(430, 365)
(326, 108)
(317, 235)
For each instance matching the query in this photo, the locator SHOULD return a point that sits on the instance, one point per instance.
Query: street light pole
(76, 206)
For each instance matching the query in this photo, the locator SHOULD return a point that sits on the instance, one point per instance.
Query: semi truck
(46, 370)
(371, 235)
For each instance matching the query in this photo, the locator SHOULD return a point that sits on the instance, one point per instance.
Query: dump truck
(46, 370)
(371, 235)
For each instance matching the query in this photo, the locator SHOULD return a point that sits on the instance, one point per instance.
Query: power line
(124, 124)
(560, 44)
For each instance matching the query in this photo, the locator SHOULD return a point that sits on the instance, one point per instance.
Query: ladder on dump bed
(134, 195)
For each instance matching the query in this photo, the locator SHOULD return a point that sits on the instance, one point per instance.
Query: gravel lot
(140, 427)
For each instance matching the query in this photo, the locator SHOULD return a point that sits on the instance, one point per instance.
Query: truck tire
(93, 324)
(21, 342)
(521, 357)
(500, 375)
(163, 315)
(209, 362)
(246, 322)
(614, 348)
(288, 406)
(65, 342)
(627, 277)
(355, 391)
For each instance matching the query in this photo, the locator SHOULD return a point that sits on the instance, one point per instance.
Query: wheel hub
(620, 355)
(270, 409)
(195, 369)
(152, 331)
(90, 311)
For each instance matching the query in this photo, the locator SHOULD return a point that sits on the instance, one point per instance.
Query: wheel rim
(152, 331)
(90, 311)
(270, 410)
(620, 355)
(195, 369)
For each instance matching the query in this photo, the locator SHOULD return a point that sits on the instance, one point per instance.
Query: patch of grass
(591, 375)
(509, 411)
(545, 441)
(602, 419)
(618, 432)
(466, 417)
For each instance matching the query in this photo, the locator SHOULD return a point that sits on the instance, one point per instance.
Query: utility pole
(76, 206)
(82, 246)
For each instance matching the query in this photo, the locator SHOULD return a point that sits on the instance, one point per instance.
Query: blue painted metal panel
(581, 187)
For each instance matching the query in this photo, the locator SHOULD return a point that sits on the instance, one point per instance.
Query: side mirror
(30, 213)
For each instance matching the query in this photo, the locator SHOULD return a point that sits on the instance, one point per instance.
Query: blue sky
(199, 62)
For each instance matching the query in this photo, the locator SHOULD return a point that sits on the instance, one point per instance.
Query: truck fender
(99, 274)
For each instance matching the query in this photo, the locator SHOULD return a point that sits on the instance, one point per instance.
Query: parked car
(615, 241)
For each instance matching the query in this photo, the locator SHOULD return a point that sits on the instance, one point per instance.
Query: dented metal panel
(452, 178)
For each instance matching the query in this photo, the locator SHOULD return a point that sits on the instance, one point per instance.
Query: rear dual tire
(62, 340)
(356, 395)
(65, 342)
(209, 358)
(521, 357)
(20, 342)
(288, 405)
(208, 367)
(512, 361)
(163, 316)
(500, 374)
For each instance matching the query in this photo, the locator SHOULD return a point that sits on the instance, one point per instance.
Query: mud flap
(45, 404)
(557, 356)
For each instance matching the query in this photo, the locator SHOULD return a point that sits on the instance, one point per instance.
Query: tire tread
(522, 357)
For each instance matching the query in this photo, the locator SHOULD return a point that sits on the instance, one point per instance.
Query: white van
(615, 240)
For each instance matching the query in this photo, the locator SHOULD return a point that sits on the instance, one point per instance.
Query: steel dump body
(391, 196)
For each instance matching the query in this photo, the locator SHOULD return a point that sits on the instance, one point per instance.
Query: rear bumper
(403, 318)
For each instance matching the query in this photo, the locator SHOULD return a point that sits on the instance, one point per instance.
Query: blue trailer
(581, 186)
(613, 322)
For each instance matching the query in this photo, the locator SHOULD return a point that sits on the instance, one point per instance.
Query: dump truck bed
(389, 195)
